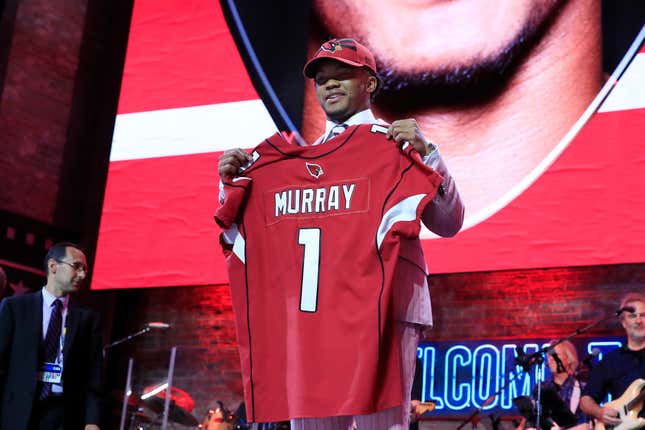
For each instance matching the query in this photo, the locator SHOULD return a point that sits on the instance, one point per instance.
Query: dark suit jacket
(20, 349)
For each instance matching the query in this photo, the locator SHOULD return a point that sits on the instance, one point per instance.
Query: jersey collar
(363, 117)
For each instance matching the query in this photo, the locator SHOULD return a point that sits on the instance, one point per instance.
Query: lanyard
(59, 357)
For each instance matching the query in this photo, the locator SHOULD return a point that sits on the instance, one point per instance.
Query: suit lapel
(36, 330)
(71, 326)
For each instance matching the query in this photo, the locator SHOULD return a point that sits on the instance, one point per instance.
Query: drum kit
(145, 412)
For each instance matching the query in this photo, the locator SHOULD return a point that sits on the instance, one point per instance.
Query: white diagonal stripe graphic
(191, 130)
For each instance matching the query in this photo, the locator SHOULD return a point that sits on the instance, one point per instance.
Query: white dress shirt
(48, 301)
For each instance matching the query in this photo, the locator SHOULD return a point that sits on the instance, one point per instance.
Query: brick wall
(207, 363)
(36, 102)
(60, 70)
(509, 304)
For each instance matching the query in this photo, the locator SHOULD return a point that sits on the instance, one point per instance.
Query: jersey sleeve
(416, 186)
(235, 193)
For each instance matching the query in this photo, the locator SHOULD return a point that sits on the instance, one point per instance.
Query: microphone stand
(526, 361)
(144, 330)
(473, 418)
(128, 386)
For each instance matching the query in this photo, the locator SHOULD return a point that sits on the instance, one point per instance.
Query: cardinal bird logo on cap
(314, 170)
(337, 44)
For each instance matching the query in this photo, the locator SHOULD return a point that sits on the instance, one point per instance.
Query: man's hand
(92, 427)
(414, 416)
(231, 161)
(407, 130)
(608, 416)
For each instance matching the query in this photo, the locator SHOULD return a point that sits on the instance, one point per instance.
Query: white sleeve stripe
(405, 210)
(238, 247)
(233, 236)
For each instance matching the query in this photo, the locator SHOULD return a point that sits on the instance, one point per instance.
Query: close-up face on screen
(537, 108)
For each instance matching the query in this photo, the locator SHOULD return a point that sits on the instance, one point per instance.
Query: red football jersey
(315, 232)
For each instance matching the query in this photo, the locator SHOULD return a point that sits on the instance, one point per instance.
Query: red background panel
(157, 227)
(181, 54)
(587, 208)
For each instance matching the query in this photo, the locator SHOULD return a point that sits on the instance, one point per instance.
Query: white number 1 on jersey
(310, 239)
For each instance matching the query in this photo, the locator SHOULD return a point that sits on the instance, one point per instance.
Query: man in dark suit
(50, 352)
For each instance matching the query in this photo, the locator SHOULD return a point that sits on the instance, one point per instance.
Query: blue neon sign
(460, 377)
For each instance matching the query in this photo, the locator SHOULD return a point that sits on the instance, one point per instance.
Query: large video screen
(544, 142)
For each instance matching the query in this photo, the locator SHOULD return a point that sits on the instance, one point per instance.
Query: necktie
(52, 341)
(335, 131)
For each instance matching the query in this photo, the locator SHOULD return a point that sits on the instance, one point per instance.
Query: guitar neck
(635, 401)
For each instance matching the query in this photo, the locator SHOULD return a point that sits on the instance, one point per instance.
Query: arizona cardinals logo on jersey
(314, 170)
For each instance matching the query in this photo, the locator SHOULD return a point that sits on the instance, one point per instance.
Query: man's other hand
(407, 130)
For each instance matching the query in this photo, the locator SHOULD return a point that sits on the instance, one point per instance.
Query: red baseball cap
(347, 51)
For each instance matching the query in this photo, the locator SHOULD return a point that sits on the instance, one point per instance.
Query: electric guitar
(628, 406)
